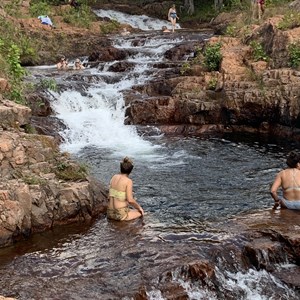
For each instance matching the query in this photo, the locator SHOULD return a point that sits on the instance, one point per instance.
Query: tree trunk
(218, 4)
(189, 6)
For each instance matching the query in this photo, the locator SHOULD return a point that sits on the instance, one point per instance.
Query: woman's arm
(274, 188)
(130, 198)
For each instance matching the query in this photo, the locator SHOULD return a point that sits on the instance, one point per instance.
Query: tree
(189, 6)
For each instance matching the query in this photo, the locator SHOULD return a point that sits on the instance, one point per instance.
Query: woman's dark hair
(292, 159)
(126, 165)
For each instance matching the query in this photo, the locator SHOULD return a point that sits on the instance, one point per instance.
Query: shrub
(185, 68)
(294, 55)
(231, 30)
(213, 57)
(258, 51)
(109, 27)
(39, 8)
(12, 7)
(71, 172)
(289, 21)
(49, 84)
(33, 180)
(15, 71)
(82, 17)
(212, 83)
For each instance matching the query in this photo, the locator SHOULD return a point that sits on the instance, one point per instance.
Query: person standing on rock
(261, 8)
(172, 16)
(289, 181)
(121, 195)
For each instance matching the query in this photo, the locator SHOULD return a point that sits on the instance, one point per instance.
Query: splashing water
(136, 21)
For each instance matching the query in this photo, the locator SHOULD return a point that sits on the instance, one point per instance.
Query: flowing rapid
(186, 186)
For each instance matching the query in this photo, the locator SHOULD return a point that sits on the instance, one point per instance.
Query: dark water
(195, 184)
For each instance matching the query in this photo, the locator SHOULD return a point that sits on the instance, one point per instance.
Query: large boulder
(13, 114)
(41, 188)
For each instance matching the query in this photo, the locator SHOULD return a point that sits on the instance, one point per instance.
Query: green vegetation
(231, 30)
(185, 68)
(49, 84)
(294, 54)
(39, 8)
(15, 72)
(258, 51)
(13, 7)
(33, 180)
(289, 21)
(213, 56)
(71, 172)
(109, 27)
(212, 83)
(29, 129)
(81, 17)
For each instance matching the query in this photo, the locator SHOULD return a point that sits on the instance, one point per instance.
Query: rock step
(278, 74)
(240, 84)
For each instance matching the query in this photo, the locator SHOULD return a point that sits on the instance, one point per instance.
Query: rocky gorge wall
(245, 95)
(40, 187)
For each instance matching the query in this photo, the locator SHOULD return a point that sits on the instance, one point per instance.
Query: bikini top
(294, 187)
(117, 194)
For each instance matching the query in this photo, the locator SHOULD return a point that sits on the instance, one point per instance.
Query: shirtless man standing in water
(289, 181)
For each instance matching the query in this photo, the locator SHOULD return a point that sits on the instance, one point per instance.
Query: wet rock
(50, 126)
(263, 253)
(121, 66)
(39, 104)
(289, 275)
(199, 270)
(152, 110)
(108, 54)
(180, 52)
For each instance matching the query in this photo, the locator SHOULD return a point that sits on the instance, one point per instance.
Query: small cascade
(136, 21)
(219, 284)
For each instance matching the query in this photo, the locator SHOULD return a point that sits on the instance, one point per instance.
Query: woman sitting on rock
(289, 181)
(121, 195)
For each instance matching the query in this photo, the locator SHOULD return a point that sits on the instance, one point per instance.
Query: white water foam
(98, 120)
(136, 21)
(251, 285)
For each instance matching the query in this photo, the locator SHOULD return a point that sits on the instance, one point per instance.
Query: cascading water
(185, 185)
(141, 22)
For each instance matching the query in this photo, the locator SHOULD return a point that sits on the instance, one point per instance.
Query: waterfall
(96, 117)
(136, 21)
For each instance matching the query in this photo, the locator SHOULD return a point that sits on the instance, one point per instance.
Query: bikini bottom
(117, 214)
(291, 204)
